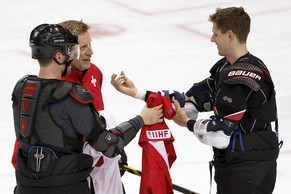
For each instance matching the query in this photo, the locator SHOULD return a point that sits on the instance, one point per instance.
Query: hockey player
(241, 93)
(51, 118)
(106, 174)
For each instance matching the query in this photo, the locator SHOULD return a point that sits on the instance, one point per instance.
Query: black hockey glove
(180, 97)
(122, 161)
(201, 97)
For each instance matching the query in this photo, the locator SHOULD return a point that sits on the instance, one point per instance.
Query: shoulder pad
(26, 77)
(243, 73)
(81, 94)
(17, 91)
(62, 90)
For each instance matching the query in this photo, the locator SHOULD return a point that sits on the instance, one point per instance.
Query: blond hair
(75, 27)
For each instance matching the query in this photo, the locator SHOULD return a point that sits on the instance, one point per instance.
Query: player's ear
(230, 34)
(59, 56)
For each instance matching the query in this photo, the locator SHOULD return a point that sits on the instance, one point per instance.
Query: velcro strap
(258, 145)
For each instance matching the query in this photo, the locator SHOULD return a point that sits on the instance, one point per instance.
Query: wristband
(140, 94)
(190, 125)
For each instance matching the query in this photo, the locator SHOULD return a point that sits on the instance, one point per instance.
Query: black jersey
(242, 97)
(243, 92)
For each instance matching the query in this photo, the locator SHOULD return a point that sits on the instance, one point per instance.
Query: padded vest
(32, 120)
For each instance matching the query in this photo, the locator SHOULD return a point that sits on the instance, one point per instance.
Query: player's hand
(123, 84)
(181, 117)
(152, 115)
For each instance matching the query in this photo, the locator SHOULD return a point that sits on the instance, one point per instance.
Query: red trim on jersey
(264, 70)
(215, 110)
(81, 100)
(236, 116)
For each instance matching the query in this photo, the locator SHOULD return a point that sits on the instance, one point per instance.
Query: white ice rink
(160, 44)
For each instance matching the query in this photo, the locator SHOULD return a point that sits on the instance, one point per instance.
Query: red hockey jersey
(91, 79)
(158, 153)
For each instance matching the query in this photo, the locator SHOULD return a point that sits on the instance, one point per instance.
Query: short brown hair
(47, 62)
(234, 19)
(75, 27)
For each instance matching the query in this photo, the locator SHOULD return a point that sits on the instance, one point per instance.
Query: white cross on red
(93, 81)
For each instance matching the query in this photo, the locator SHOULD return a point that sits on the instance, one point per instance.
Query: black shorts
(248, 177)
(77, 188)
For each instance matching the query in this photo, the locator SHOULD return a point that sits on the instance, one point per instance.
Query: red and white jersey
(158, 153)
(105, 175)
(91, 79)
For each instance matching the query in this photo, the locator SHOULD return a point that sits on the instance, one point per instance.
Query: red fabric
(100, 162)
(16, 148)
(156, 178)
(92, 80)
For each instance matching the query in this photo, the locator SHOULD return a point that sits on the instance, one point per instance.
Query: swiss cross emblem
(93, 81)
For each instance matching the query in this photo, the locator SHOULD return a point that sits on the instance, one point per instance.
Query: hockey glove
(180, 97)
(201, 99)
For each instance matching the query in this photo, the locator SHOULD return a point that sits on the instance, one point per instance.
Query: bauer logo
(159, 134)
(244, 73)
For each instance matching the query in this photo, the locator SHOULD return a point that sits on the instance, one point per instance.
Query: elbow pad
(126, 131)
(216, 138)
(109, 144)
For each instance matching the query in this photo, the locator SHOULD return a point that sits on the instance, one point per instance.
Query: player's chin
(86, 64)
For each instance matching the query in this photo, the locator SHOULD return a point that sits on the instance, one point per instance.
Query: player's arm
(237, 83)
(216, 130)
(111, 142)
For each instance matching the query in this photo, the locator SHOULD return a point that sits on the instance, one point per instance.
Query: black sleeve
(202, 92)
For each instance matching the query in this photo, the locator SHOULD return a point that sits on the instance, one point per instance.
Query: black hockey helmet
(46, 38)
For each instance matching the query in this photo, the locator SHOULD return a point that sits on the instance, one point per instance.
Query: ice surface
(160, 44)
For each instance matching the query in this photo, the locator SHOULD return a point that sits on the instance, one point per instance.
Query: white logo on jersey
(244, 73)
(228, 99)
(93, 81)
(159, 134)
